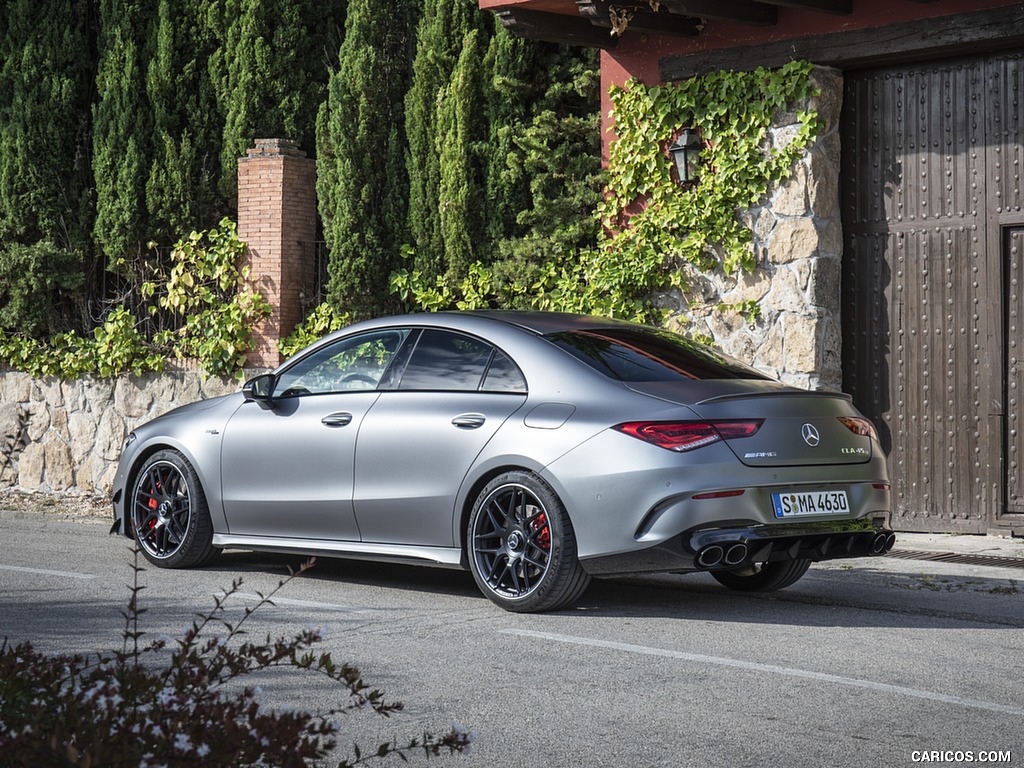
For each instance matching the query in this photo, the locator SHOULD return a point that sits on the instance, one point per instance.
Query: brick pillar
(277, 219)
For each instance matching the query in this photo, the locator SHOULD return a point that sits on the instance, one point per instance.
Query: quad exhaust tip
(734, 554)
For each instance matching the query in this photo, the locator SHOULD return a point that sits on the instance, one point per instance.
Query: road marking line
(771, 669)
(303, 603)
(65, 574)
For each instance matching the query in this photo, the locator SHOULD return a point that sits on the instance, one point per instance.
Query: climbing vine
(202, 290)
(654, 228)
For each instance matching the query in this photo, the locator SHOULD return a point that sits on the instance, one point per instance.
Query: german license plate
(810, 503)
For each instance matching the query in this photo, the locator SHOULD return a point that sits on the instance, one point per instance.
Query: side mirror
(260, 389)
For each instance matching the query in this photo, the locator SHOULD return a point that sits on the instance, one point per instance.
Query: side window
(503, 375)
(353, 363)
(446, 361)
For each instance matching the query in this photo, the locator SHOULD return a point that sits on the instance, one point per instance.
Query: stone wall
(59, 436)
(798, 243)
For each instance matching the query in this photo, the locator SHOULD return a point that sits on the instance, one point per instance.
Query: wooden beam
(641, 19)
(843, 7)
(956, 35)
(739, 11)
(554, 28)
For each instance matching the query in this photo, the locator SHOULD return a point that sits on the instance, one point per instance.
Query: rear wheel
(522, 548)
(763, 577)
(169, 514)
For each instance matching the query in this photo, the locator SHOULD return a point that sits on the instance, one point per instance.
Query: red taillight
(684, 436)
(859, 426)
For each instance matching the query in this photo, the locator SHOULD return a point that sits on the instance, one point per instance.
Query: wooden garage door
(932, 289)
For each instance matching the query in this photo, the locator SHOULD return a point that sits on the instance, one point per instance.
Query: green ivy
(652, 226)
(318, 323)
(203, 287)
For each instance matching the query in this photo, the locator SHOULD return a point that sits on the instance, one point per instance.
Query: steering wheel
(358, 377)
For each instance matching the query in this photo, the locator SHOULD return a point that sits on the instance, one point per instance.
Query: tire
(763, 577)
(522, 547)
(169, 515)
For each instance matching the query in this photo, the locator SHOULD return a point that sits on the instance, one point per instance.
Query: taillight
(859, 426)
(682, 436)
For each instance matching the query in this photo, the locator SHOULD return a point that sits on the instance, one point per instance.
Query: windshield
(634, 354)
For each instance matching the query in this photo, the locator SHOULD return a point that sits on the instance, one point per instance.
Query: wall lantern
(685, 151)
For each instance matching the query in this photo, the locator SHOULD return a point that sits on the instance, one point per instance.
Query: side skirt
(442, 557)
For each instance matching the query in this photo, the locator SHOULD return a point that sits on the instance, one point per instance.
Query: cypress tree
(556, 152)
(511, 86)
(45, 180)
(270, 74)
(460, 126)
(440, 34)
(44, 121)
(121, 148)
(181, 192)
(361, 145)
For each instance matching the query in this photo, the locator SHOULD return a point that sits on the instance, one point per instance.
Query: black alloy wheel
(522, 547)
(169, 514)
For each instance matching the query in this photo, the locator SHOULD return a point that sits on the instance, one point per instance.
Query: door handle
(469, 420)
(337, 419)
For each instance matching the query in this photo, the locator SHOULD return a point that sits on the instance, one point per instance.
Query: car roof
(544, 322)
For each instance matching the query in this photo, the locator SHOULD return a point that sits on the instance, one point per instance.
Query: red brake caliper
(540, 527)
(152, 504)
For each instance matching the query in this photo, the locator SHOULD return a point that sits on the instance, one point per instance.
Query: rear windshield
(650, 354)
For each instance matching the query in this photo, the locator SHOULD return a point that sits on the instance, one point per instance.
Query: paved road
(870, 662)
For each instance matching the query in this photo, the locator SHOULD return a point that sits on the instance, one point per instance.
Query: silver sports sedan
(535, 449)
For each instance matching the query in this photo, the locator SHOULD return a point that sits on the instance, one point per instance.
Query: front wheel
(522, 548)
(763, 577)
(169, 514)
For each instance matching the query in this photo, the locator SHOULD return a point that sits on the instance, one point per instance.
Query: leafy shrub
(37, 283)
(140, 706)
(203, 290)
(318, 323)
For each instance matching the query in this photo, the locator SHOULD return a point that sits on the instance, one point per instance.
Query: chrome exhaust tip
(735, 554)
(710, 556)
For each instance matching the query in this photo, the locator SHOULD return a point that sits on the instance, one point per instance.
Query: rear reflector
(684, 436)
(719, 494)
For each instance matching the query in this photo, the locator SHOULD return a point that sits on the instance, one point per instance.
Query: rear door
(417, 443)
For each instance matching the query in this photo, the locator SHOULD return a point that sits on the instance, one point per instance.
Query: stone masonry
(798, 244)
(59, 436)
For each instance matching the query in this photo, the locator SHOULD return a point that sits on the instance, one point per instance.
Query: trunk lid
(799, 427)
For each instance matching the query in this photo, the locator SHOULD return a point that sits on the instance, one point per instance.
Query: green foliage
(181, 192)
(270, 73)
(185, 701)
(439, 37)
(44, 115)
(38, 287)
(460, 129)
(121, 141)
(203, 288)
(318, 323)
(645, 208)
(361, 146)
(650, 226)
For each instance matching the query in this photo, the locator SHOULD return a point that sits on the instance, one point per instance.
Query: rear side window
(650, 354)
(446, 361)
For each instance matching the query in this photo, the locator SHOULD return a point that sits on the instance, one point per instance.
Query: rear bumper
(728, 547)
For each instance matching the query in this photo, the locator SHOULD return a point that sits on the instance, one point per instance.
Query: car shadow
(858, 597)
